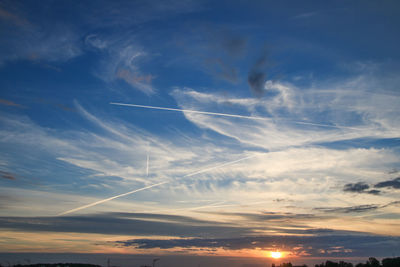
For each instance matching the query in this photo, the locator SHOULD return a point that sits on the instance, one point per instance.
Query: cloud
(7, 175)
(306, 15)
(124, 224)
(395, 184)
(8, 16)
(352, 209)
(121, 57)
(357, 209)
(6, 102)
(49, 41)
(319, 245)
(367, 116)
(189, 233)
(219, 50)
(360, 187)
(271, 216)
(141, 82)
(257, 75)
(59, 39)
(8, 201)
(47, 45)
(225, 49)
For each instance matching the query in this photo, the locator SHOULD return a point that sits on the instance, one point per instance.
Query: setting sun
(276, 254)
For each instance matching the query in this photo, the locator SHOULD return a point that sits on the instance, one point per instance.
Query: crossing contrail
(234, 115)
(110, 198)
(154, 185)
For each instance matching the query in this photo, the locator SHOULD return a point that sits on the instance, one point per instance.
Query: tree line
(371, 262)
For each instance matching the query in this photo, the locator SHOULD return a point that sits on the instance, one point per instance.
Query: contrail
(154, 185)
(216, 204)
(111, 198)
(219, 166)
(233, 115)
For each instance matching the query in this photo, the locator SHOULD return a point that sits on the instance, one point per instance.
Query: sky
(213, 129)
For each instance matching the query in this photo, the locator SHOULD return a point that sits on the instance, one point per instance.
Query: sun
(276, 254)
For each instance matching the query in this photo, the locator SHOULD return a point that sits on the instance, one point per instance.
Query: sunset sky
(294, 145)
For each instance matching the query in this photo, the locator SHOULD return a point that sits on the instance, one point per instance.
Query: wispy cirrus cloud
(50, 42)
(367, 117)
(121, 59)
(117, 149)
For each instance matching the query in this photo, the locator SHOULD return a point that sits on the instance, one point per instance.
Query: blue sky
(318, 176)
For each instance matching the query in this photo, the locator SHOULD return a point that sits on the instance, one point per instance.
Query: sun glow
(276, 254)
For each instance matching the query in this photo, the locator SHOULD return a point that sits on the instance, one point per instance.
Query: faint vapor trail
(154, 185)
(216, 204)
(219, 166)
(235, 116)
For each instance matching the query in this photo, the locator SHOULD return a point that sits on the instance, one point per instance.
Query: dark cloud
(223, 49)
(273, 216)
(257, 75)
(206, 235)
(360, 187)
(125, 223)
(395, 183)
(225, 40)
(234, 45)
(256, 80)
(356, 209)
(7, 175)
(373, 192)
(334, 244)
(352, 209)
(160, 224)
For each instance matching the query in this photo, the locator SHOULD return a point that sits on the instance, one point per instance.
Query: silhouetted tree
(331, 264)
(372, 262)
(345, 264)
(286, 264)
(391, 262)
(334, 264)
